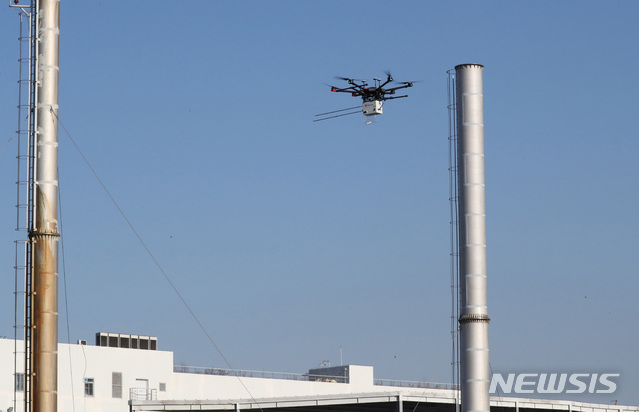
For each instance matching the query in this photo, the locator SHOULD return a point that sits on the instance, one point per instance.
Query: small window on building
(88, 386)
(116, 385)
(19, 382)
(162, 387)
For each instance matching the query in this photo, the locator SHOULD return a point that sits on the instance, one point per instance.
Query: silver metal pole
(44, 235)
(475, 369)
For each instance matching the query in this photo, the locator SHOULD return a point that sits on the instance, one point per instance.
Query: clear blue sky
(291, 238)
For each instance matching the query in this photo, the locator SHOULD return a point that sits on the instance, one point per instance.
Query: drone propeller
(390, 77)
(350, 80)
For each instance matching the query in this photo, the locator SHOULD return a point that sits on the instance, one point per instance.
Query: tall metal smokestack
(473, 320)
(44, 235)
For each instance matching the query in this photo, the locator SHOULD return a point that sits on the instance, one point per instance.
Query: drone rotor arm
(406, 84)
(394, 97)
(360, 88)
(388, 80)
(350, 89)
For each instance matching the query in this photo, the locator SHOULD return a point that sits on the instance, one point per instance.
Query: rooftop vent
(121, 340)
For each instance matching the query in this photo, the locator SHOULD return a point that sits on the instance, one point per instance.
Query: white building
(118, 379)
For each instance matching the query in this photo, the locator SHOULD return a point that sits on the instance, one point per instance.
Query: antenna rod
(336, 111)
(338, 115)
(473, 320)
(44, 234)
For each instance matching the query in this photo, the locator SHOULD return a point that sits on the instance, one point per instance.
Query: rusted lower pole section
(473, 320)
(44, 235)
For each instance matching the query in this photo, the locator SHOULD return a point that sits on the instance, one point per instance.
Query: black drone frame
(359, 88)
(369, 94)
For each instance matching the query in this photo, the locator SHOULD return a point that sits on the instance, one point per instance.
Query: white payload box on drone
(372, 108)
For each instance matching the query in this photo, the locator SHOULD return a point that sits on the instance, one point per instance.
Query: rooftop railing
(307, 377)
(414, 384)
(259, 374)
(142, 394)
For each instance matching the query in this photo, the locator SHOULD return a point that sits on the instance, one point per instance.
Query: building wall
(214, 387)
(79, 362)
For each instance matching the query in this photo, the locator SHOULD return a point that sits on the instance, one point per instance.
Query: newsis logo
(545, 383)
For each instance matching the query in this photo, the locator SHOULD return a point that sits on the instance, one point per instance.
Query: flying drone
(372, 97)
